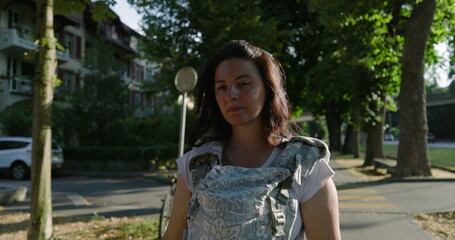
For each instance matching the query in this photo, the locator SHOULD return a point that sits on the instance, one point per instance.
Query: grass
(442, 225)
(442, 157)
(14, 226)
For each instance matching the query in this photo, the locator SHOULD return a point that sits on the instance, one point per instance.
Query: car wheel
(19, 171)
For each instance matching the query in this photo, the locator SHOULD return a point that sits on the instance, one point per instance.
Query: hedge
(160, 152)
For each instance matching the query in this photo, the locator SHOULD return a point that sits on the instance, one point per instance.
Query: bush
(16, 122)
(314, 129)
(106, 158)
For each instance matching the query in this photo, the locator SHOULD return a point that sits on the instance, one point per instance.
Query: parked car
(16, 156)
(388, 137)
(431, 138)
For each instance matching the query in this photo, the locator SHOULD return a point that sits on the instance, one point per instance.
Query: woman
(242, 103)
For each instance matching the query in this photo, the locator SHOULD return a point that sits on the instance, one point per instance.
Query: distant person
(248, 176)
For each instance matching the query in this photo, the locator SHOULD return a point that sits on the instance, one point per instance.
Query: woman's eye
(244, 84)
(220, 88)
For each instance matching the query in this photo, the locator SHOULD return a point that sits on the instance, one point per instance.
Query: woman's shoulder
(210, 147)
(316, 145)
(307, 140)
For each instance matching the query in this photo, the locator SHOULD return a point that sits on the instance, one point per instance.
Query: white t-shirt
(318, 176)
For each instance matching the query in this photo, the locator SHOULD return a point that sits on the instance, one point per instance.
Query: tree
(408, 26)
(41, 198)
(412, 150)
(185, 32)
(40, 226)
(94, 106)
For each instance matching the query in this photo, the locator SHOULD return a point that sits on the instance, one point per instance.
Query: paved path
(383, 210)
(371, 211)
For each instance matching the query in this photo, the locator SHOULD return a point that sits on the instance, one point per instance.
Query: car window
(4, 145)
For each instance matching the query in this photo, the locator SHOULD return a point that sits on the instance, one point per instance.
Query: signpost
(185, 81)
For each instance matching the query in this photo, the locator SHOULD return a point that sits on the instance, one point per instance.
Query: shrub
(147, 157)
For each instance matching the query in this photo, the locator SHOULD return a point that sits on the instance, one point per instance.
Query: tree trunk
(375, 136)
(356, 135)
(412, 150)
(348, 139)
(40, 226)
(352, 136)
(333, 120)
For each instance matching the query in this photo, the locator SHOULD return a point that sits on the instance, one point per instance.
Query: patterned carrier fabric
(232, 203)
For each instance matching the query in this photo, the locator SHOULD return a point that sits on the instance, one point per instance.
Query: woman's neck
(248, 136)
(247, 147)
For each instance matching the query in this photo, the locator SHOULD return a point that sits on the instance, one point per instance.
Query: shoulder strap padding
(309, 151)
(204, 159)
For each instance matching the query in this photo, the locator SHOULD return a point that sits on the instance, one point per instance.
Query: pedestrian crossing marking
(361, 197)
(366, 190)
(352, 205)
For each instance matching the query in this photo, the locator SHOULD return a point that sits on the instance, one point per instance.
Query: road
(435, 144)
(86, 196)
(383, 210)
(374, 211)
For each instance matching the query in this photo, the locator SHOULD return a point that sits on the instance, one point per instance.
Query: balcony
(63, 56)
(21, 39)
(17, 38)
(20, 85)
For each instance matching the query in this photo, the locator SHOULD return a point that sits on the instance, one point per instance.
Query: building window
(69, 80)
(73, 44)
(11, 68)
(138, 73)
(13, 18)
(111, 31)
(149, 74)
(133, 70)
(137, 99)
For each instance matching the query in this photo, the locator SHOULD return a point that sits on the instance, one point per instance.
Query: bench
(382, 163)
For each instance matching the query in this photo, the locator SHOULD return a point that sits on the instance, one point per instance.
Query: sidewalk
(368, 210)
(383, 210)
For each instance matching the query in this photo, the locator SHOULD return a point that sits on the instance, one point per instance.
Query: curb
(11, 193)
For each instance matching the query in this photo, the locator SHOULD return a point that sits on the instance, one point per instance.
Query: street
(86, 196)
(383, 210)
(374, 211)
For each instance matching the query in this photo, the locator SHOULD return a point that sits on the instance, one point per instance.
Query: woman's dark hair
(210, 123)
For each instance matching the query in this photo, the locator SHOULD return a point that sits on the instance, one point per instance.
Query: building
(75, 32)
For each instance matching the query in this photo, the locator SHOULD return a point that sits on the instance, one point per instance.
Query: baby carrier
(231, 202)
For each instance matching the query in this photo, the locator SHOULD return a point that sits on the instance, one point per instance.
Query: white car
(388, 137)
(16, 156)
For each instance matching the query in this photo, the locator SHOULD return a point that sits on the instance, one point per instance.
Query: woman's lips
(235, 109)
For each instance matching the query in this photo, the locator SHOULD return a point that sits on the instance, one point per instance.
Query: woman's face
(239, 91)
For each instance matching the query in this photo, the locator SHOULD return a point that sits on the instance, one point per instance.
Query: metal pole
(182, 125)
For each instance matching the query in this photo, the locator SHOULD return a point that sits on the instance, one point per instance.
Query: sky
(442, 50)
(130, 17)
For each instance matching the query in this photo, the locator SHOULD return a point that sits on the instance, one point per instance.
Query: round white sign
(186, 79)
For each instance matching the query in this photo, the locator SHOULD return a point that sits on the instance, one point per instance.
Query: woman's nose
(233, 92)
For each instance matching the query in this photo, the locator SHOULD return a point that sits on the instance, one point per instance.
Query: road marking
(361, 190)
(361, 197)
(356, 205)
(77, 199)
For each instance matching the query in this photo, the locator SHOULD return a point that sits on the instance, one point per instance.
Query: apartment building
(74, 31)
